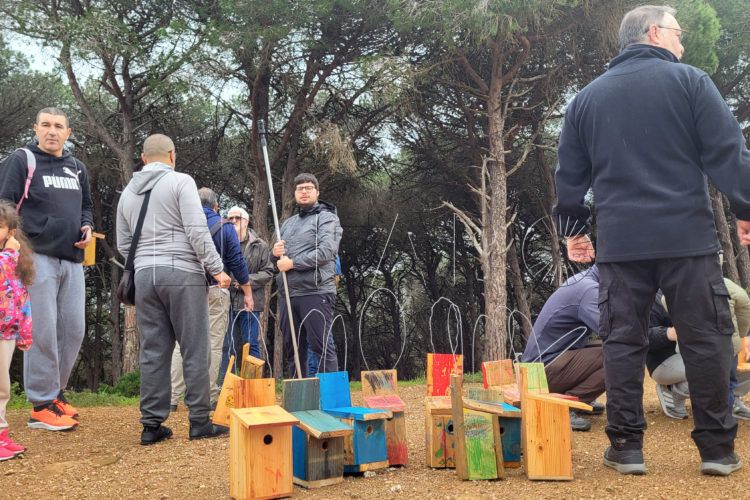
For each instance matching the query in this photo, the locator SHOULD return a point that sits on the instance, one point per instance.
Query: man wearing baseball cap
(246, 327)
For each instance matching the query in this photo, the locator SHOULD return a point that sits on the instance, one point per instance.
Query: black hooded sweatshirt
(59, 201)
(644, 136)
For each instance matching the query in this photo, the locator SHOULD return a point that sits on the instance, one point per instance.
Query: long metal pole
(264, 146)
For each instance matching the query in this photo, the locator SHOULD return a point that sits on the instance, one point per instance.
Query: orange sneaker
(67, 408)
(51, 418)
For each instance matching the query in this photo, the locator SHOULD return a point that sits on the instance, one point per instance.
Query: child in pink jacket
(16, 273)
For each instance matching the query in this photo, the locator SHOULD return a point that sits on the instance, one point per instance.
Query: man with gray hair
(228, 245)
(644, 136)
(173, 252)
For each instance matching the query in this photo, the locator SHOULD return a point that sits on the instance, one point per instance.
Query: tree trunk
(494, 223)
(548, 182)
(519, 292)
(725, 235)
(114, 316)
(130, 342)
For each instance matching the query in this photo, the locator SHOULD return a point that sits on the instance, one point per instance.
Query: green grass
(113, 396)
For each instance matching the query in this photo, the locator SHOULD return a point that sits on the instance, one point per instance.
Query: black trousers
(698, 303)
(313, 316)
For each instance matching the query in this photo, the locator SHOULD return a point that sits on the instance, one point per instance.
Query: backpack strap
(30, 169)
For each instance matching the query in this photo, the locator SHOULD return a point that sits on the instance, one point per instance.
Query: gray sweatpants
(172, 305)
(57, 298)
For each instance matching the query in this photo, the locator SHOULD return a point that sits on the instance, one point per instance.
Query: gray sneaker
(721, 467)
(740, 409)
(673, 406)
(579, 423)
(625, 461)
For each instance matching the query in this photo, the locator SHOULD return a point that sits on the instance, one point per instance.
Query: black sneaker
(578, 423)
(597, 408)
(625, 461)
(153, 434)
(721, 467)
(207, 430)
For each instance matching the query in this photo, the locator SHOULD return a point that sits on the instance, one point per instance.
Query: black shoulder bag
(126, 288)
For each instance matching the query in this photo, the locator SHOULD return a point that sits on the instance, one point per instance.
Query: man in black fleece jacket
(56, 216)
(645, 135)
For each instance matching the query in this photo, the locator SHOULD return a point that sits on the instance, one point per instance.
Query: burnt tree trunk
(519, 291)
(725, 235)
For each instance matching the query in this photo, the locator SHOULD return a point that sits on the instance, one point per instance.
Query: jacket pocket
(605, 313)
(724, 323)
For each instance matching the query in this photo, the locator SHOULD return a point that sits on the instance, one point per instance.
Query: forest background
(431, 124)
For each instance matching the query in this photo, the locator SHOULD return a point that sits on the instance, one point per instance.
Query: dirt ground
(103, 459)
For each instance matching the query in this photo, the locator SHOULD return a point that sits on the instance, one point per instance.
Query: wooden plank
(510, 431)
(498, 441)
(299, 453)
(325, 458)
(536, 378)
(348, 444)
(359, 413)
(252, 367)
(548, 449)
(480, 445)
(265, 416)
(554, 399)
(321, 425)
(320, 483)
(743, 367)
(457, 410)
(379, 383)
(226, 399)
(498, 373)
(270, 462)
(546, 436)
(301, 394)
(439, 369)
(439, 405)
(490, 395)
(390, 402)
(237, 457)
(500, 409)
(350, 469)
(334, 390)
(254, 392)
(369, 441)
(395, 439)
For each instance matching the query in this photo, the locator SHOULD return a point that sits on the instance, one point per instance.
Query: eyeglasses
(308, 189)
(680, 31)
(234, 218)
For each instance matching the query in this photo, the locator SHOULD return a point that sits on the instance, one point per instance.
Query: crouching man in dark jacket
(307, 253)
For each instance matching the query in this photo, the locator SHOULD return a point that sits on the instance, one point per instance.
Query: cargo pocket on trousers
(724, 323)
(605, 313)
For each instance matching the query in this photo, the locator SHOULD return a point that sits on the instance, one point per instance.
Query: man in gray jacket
(171, 297)
(307, 253)
(244, 325)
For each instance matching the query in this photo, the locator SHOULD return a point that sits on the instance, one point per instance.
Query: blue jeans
(733, 381)
(246, 329)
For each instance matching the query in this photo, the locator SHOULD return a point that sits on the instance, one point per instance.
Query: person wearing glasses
(307, 253)
(644, 136)
(244, 325)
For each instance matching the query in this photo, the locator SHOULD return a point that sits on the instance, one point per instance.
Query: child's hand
(13, 244)
(23, 345)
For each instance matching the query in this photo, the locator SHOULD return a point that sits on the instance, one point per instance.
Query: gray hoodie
(175, 233)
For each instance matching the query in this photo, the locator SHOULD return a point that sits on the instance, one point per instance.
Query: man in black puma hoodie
(645, 135)
(56, 217)
(307, 253)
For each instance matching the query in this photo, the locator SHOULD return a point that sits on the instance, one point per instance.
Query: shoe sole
(149, 443)
(630, 469)
(713, 469)
(2, 459)
(48, 427)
